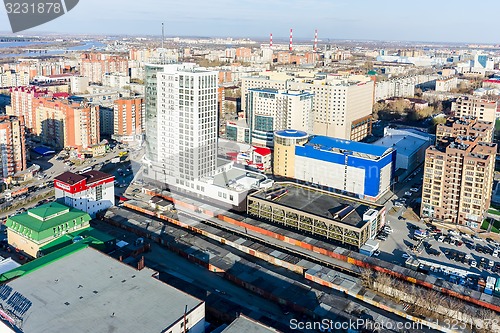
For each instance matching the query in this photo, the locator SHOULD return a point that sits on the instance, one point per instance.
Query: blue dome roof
(290, 133)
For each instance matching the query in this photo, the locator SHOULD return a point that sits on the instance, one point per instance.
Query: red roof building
(92, 191)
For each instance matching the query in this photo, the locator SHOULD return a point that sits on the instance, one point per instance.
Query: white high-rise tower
(181, 124)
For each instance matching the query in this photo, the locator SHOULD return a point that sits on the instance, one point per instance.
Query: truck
(490, 285)
(419, 234)
(369, 248)
(496, 291)
(115, 160)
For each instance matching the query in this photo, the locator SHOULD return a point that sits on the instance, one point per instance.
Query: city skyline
(429, 21)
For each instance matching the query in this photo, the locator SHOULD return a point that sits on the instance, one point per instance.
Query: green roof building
(40, 226)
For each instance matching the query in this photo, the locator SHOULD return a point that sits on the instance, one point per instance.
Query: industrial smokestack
(316, 40)
(291, 41)
(270, 40)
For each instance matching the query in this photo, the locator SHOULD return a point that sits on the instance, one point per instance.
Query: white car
(405, 255)
(414, 189)
(376, 253)
(473, 263)
(477, 239)
(408, 193)
(398, 204)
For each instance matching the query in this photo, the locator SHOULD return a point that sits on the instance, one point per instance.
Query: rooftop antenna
(162, 34)
(162, 52)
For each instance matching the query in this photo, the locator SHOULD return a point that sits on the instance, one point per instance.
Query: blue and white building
(364, 170)
(270, 110)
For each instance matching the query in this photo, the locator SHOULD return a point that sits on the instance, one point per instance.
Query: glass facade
(264, 124)
(232, 133)
(150, 101)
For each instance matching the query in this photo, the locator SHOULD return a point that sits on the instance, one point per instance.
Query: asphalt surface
(400, 243)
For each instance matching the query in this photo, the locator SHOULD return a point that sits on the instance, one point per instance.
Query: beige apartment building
(95, 65)
(465, 126)
(62, 124)
(482, 109)
(12, 145)
(458, 174)
(21, 100)
(342, 105)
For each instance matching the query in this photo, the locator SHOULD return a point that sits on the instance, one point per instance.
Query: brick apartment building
(482, 109)
(22, 99)
(95, 65)
(12, 145)
(128, 119)
(61, 123)
(458, 175)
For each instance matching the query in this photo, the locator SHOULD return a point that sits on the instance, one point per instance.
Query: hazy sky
(424, 20)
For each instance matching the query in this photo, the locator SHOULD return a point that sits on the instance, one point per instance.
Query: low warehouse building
(339, 218)
(87, 291)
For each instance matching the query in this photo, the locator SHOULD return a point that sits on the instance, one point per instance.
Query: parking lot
(446, 253)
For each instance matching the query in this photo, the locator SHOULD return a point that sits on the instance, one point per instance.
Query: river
(87, 46)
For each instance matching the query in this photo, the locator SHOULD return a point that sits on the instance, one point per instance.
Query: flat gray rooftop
(243, 324)
(320, 203)
(88, 292)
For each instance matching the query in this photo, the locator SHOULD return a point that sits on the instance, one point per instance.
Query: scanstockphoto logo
(27, 14)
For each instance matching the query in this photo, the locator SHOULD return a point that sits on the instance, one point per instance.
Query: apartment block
(61, 123)
(12, 145)
(116, 80)
(181, 136)
(38, 67)
(184, 144)
(482, 109)
(458, 174)
(106, 121)
(96, 65)
(271, 110)
(22, 99)
(128, 119)
(342, 105)
(11, 78)
(465, 126)
(79, 84)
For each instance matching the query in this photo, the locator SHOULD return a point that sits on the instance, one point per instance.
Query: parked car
(473, 263)
(414, 189)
